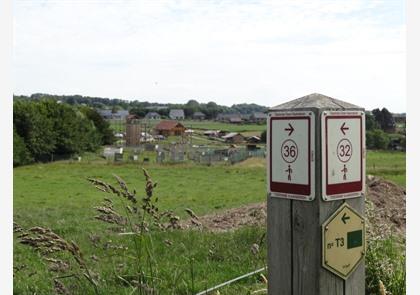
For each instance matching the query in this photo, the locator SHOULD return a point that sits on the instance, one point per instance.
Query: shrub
(377, 139)
(264, 136)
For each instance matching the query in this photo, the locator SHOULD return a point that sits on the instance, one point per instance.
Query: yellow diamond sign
(343, 241)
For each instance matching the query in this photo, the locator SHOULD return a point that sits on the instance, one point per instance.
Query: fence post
(315, 200)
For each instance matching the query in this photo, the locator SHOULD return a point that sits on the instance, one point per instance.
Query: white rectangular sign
(291, 155)
(343, 154)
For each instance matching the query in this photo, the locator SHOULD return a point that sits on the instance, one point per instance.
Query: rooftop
(229, 135)
(167, 125)
(315, 100)
(176, 113)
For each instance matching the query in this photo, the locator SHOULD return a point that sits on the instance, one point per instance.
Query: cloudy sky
(265, 52)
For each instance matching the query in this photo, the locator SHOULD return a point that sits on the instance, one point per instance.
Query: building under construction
(132, 132)
(136, 131)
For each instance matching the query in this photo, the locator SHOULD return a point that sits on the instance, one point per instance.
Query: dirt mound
(254, 214)
(385, 207)
(388, 200)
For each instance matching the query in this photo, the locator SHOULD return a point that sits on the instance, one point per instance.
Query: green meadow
(58, 196)
(119, 125)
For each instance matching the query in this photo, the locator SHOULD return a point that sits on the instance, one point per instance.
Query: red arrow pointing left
(344, 128)
(290, 129)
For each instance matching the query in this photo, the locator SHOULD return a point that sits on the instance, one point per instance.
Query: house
(258, 117)
(211, 133)
(229, 118)
(233, 137)
(106, 114)
(253, 139)
(177, 114)
(222, 133)
(168, 128)
(152, 116)
(236, 119)
(199, 116)
(220, 117)
(246, 117)
(120, 115)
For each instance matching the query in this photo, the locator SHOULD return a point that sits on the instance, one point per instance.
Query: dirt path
(385, 207)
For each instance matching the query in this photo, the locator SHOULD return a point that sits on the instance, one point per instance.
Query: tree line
(43, 128)
(382, 132)
(141, 108)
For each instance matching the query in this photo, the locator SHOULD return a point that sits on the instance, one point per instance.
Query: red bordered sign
(291, 155)
(343, 154)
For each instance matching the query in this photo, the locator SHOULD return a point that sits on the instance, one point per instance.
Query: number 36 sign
(291, 151)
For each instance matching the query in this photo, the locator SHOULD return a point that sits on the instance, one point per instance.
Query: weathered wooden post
(315, 203)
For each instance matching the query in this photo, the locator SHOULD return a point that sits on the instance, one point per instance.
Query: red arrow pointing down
(290, 129)
(344, 128)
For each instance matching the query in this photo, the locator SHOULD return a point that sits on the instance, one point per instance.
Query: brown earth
(385, 208)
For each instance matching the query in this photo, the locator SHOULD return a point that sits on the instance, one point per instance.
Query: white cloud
(264, 52)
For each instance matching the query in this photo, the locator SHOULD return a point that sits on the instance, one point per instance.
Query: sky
(229, 52)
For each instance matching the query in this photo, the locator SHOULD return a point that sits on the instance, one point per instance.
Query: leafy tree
(103, 127)
(193, 104)
(245, 108)
(36, 128)
(371, 123)
(384, 119)
(21, 155)
(377, 139)
(211, 110)
(46, 127)
(139, 111)
(163, 112)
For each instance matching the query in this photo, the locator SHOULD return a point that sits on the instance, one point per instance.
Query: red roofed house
(168, 128)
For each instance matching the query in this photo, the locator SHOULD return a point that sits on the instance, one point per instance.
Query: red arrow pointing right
(344, 128)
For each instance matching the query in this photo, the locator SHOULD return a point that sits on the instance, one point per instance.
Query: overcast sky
(264, 52)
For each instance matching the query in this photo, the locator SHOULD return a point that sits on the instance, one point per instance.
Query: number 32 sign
(343, 148)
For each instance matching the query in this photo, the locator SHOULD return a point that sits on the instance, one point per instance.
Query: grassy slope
(58, 196)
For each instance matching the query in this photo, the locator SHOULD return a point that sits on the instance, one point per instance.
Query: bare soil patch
(385, 207)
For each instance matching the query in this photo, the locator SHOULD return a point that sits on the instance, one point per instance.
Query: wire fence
(165, 154)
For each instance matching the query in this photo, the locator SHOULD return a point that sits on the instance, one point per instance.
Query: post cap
(317, 101)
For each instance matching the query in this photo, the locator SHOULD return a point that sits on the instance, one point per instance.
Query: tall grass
(148, 252)
(385, 265)
(385, 257)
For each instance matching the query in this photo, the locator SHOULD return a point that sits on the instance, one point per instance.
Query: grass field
(118, 125)
(58, 196)
(388, 164)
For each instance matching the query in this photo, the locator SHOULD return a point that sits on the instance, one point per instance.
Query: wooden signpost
(315, 203)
